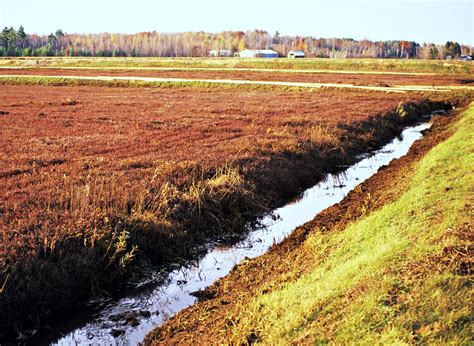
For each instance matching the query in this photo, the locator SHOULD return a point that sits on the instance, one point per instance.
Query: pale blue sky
(418, 20)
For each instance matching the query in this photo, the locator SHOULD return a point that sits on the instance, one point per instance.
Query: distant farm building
(465, 58)
(220, 53)
(258, 53)
(295, 54)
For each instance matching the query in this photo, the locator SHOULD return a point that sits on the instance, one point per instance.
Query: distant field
(356, 79)
(375, 65)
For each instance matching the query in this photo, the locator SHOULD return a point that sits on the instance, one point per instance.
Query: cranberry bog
(100, 182)
(308, 76)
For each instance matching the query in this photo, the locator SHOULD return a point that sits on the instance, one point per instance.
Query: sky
(434, 21)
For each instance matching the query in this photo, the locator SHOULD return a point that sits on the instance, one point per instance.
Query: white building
(258, 53)
(295, 54)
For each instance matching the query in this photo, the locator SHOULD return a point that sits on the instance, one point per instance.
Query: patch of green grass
(390, 277)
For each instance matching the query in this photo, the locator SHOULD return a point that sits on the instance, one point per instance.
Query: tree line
(198, 44)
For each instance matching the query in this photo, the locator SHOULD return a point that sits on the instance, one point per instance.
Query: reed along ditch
(129, 319)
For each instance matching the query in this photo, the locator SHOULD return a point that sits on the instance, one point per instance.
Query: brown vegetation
(356, 79)
(94, 178)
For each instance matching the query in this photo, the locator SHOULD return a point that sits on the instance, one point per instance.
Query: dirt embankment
(96, 179)
(210, 321)
(356, 79)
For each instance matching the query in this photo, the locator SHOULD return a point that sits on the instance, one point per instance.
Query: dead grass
(320, 135)
(70, 102)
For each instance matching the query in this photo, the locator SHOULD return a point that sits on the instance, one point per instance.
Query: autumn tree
(59, 43)
(453, 49)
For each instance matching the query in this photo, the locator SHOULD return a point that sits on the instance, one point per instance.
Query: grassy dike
(400, 274)
(354, 65)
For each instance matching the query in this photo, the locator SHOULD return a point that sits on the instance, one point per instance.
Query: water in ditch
(126, 321)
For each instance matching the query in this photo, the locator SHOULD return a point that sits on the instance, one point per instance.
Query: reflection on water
(128, 320)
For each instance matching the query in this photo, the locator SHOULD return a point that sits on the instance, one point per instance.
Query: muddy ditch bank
(41, 290)
(210, 319)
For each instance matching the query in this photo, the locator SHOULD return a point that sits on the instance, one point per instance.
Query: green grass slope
(400, 275)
